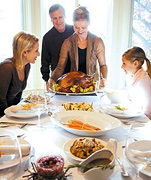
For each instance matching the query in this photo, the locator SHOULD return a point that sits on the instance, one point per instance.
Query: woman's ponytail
(148, 67)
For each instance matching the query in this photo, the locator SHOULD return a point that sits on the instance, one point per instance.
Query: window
(10, 24)
(141, 25)
(69, 8)
(98, 13)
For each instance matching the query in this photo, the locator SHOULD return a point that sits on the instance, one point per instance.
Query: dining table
(51, 138)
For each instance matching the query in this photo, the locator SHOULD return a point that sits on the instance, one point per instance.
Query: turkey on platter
(75, 82)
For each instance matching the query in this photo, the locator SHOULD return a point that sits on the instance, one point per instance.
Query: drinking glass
(10, 155)
(138, 146)
(99, 93)
(49, 95)
(38, 104)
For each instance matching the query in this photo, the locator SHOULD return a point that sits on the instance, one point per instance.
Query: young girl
(138, 80)
(14, 71)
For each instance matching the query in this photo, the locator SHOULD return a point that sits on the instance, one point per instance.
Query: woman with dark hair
(138, 80)
(14, 71)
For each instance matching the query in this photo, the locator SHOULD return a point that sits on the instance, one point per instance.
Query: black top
(51, 45)
(11, 87)
(82, 60)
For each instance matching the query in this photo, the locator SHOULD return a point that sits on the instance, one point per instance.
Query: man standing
(52, 41)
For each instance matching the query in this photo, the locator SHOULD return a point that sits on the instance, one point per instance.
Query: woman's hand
(103, 82)
(49, 84)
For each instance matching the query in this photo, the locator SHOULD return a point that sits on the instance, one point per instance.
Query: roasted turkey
(74, 78)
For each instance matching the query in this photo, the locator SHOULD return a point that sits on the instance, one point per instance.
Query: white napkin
(7, 149)
(137, 153)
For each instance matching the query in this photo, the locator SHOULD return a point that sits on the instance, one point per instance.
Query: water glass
(138, 146)
(38, 106)
(10, 155)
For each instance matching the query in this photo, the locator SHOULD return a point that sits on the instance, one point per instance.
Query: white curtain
(117, 40)
(34, 22)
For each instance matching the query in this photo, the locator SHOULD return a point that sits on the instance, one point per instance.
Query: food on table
(75, 82)
(50, 166)
(120, 108)
(101, 162)
(34, 98)
(78, 106)
(77, 124)
(84, 147)
(28, 106)
(37, 98)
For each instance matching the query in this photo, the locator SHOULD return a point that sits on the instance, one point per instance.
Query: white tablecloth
(51, 140)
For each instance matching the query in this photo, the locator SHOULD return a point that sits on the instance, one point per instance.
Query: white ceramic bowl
(117, 96)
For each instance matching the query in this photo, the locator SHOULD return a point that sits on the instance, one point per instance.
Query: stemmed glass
(38, 104)
(99, 93)
(49, 96)
(10, 155)
(138, 146)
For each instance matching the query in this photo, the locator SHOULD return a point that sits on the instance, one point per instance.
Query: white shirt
(139, 89)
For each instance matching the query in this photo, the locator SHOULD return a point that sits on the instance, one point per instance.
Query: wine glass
(10, 155)
(38, 104)
(49, 96)
(99, 93)
(138, 146)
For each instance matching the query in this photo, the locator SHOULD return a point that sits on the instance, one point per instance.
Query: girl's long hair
(137, 53)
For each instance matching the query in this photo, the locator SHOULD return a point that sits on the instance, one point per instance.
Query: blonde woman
(14, 71)
(138, 80)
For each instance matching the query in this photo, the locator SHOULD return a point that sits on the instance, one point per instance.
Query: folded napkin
(140, 154)
(7, 149)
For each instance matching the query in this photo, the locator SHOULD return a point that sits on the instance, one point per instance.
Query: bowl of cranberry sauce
(50, 165)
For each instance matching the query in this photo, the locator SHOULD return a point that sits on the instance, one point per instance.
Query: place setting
(122, 110)
(138, 148)
(15, 154)
(33, 110)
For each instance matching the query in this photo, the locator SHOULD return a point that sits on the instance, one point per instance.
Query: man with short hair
(52, 41)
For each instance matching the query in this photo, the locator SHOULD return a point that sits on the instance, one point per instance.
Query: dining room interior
(90, 133)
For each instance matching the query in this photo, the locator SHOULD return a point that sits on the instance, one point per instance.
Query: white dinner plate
(17, 112)
(76, 94)
(105, 122)
(14, 129)
(130, 111)
(4, 165)
(69, 143)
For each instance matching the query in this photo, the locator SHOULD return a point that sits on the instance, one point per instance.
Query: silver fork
(123, 170)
